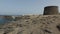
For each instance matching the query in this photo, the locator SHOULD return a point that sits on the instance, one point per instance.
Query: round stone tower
(51, 10)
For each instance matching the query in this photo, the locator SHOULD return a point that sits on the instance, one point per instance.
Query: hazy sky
(19, 7)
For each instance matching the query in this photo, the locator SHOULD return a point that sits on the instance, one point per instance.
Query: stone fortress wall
(51, 10)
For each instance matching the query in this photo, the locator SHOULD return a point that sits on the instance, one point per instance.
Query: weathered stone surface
(51, 10)
(44, 24)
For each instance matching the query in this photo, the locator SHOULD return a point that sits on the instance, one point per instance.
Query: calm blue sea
(2, 20)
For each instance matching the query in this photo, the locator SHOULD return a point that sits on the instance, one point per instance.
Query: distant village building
(13, 17)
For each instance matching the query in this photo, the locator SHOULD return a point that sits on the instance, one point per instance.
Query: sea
(3, 20)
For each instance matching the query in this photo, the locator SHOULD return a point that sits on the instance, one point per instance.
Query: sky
(20, 7)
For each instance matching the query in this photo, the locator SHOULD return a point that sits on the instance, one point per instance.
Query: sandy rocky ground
(33, 24)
